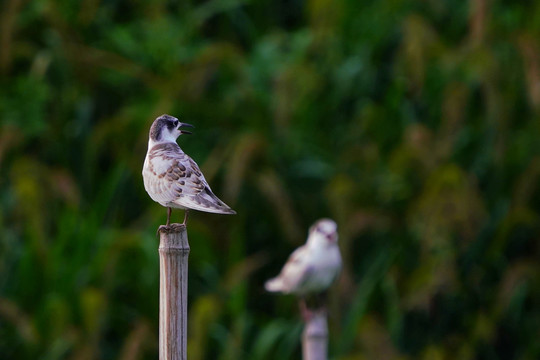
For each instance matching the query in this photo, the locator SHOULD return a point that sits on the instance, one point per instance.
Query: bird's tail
(274, 285)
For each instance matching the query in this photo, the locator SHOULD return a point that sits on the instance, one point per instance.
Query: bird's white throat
(163, 140)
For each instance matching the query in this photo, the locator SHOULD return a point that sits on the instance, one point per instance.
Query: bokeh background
(414, 124)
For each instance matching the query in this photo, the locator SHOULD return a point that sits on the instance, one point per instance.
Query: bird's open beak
(185, 131)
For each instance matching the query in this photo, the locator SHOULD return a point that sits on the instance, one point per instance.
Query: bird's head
(167, 128)
(323, 233)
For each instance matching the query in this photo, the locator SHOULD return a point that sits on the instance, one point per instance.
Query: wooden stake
(173, 281)
(315, 336)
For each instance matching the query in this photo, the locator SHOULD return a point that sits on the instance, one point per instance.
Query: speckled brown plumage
(172, 178)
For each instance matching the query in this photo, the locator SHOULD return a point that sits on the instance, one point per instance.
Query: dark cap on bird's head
(168, 123)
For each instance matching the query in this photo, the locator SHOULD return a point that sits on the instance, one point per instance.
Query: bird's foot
(310, 314)
(164, 228)
(176, 227)
(305, 312)
(170, 228)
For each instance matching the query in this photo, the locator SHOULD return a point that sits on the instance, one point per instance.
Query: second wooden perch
(173, 288)
(315, 336)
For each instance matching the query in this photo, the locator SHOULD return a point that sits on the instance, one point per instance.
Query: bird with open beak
(171, 177)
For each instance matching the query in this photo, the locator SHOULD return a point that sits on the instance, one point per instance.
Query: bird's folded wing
(182, 182)
(296, 270)
(197, 193)
(173, 176)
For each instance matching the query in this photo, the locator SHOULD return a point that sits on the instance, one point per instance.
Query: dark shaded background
(414, 124)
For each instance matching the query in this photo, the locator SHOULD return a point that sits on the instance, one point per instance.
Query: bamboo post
(173, 280)
(315, 336)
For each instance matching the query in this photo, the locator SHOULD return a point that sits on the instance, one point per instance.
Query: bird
(171, 177)
(311, 268)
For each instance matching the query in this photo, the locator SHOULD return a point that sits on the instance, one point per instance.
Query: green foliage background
(414, 124)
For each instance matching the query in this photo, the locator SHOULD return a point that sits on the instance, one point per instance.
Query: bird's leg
(166, 226)
(169, 211)
(304, 310)
(185, 217)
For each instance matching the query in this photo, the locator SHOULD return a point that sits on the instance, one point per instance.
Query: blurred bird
(171, 177)
(311, 268)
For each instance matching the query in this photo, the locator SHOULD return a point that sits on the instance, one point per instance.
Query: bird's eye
(175, 123)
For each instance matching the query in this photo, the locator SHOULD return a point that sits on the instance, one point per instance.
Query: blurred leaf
(375, 341)
(10, 312)
(202, 314)
(136, 342)
(93, 304)
(269, 338)
(360, 301)
(420, 40)
(531, 57)
(449, 204)
(247, 147)
(275, 193)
